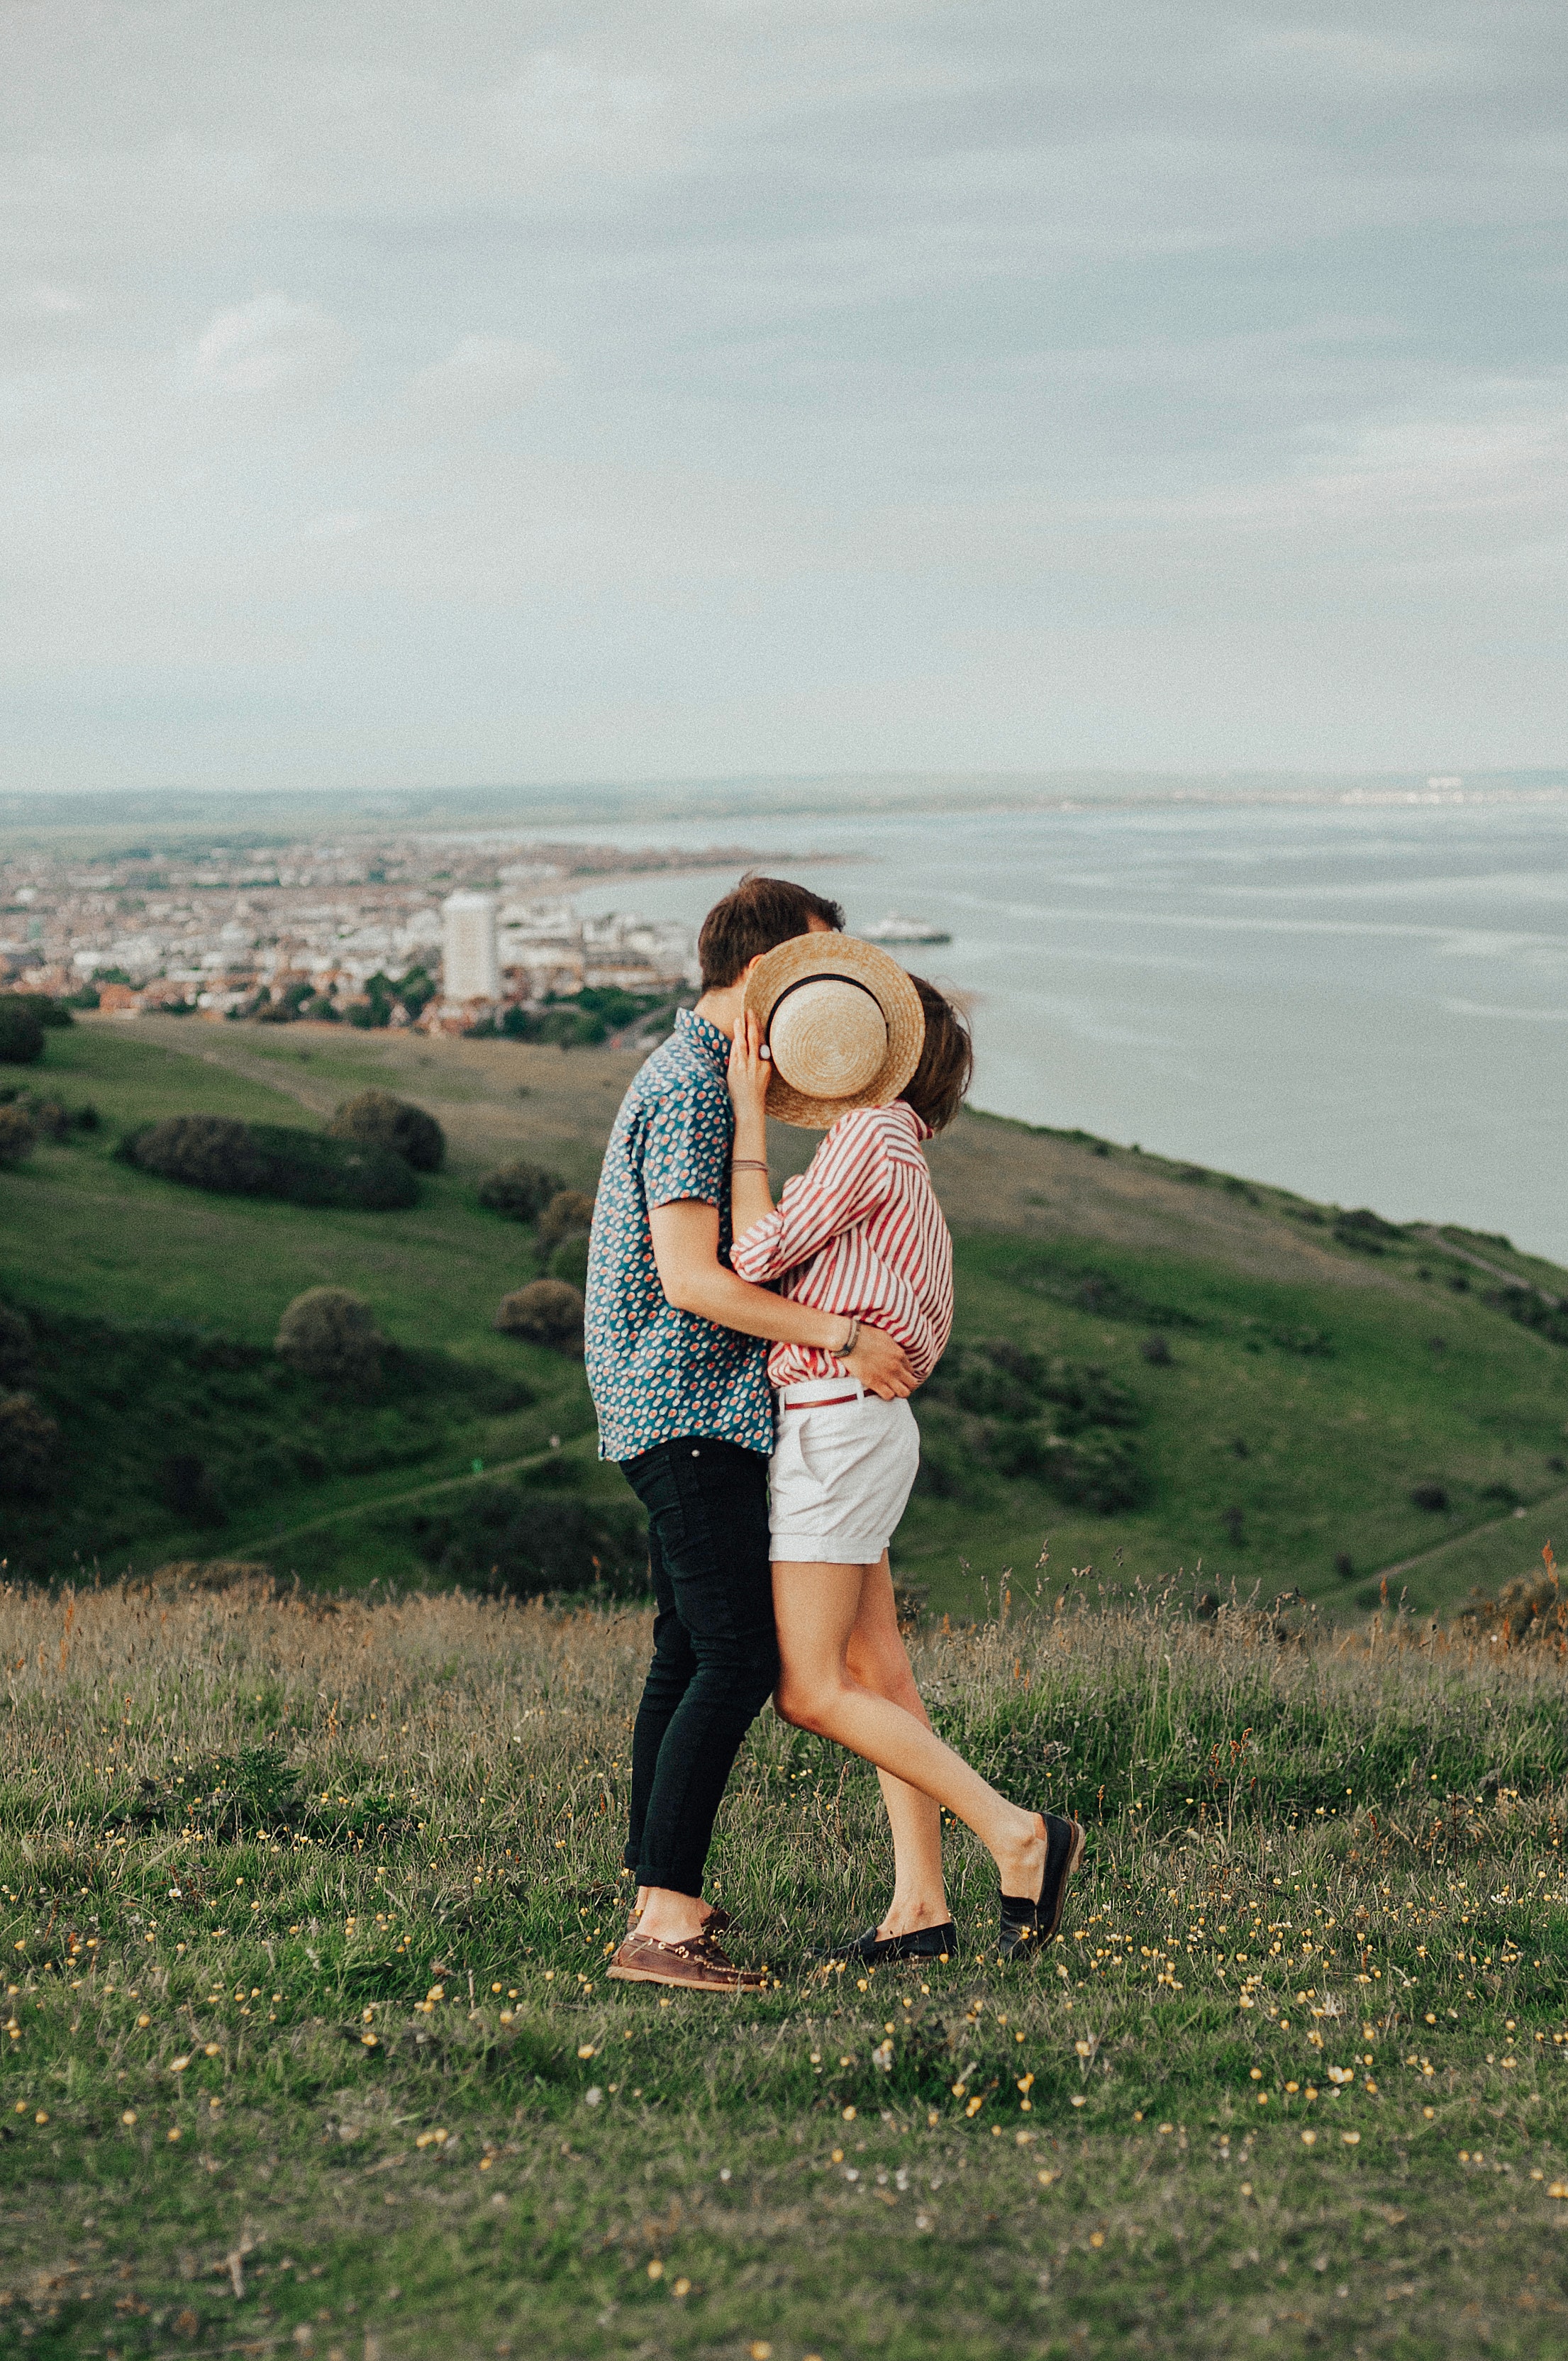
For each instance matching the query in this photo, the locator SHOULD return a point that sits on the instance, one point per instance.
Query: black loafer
(874, 1951)
(1028, 1925)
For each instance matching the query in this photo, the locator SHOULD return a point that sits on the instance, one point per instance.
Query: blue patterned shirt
(657, 1373)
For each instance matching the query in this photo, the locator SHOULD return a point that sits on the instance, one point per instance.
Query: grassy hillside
(1279, 1382)
(308, 2049)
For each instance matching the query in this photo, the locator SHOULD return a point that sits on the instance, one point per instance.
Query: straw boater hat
(843, 1023)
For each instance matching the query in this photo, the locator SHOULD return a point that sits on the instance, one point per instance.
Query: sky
(396, 394)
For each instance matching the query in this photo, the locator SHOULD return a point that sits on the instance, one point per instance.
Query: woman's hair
(938, 1087)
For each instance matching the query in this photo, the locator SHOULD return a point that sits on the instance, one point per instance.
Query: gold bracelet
(842, 1352)
(746, 1164)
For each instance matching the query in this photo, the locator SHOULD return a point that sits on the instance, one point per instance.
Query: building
(471, 968)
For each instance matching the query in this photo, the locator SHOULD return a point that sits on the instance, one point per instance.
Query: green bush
(997, 1408)
(54, 1015)
(21, 1034)
(568, 1211)
(302, 1168)
(1096, 1470)
(376, 1119)
(187, 1489)
(202, 1151)
(308, 1167)
(16, 1347)
(521, 1541)
(570, 1262)
(17, 1136)
(520, 1192)
(51, 1117)
(29, 1441)
(546, 1312)
(331, 1334)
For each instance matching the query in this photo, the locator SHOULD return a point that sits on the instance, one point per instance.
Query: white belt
(818, 1392)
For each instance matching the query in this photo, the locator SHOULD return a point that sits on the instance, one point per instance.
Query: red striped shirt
(860, 1232)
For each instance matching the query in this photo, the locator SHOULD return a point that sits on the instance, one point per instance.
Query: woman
(860, 1233)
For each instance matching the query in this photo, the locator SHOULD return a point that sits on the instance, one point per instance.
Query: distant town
(450, 935)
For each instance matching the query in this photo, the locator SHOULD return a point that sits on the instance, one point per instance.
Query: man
(677, 1364)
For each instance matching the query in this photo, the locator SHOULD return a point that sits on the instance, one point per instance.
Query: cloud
(812, 382)
(271, 344)
(54, 302)
(482, 378)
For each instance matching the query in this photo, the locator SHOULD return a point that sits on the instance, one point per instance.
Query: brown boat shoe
(695, 1966)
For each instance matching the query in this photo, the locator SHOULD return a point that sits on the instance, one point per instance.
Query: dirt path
(1458, 1540)
(399, 1499)
(1493, 1269)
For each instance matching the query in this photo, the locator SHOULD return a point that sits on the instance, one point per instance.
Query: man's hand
(882, 1365)
(686, 1251)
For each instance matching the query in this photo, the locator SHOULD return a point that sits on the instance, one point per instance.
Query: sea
(1363, 999)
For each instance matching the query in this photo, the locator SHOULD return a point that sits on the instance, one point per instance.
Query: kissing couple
(751, 1366)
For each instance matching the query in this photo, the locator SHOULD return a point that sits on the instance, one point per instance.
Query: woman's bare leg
(877, 1658)
(815, 1608)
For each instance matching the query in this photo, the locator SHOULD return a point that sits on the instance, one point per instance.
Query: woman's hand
(750, 1071)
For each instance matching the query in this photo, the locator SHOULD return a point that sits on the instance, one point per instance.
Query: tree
(53, 1015)
(376, 1119)
(518, 1191)
(546, 1312)
(21, 1035)
(29, 1440)
(331, 1334)
(17, 1136)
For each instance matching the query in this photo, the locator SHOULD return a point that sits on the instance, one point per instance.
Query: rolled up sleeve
(686, 1150)
(849, 1176)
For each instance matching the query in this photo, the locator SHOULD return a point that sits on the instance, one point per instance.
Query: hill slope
(1198, 1370)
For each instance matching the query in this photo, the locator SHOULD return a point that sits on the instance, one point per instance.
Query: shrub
(1155, 1350)
(53, 1015)
(376, 1119)
(308, 1167)
(520, 1541)
(1532, 1607)
(51, 1117)
(187, 1489)
(21, 1034)
(546, 1312)
(519, 1192)
(1102, 1472)
(205, 1151)
(17, 1136)
(331, 1334)
(1430, 1495)
(16, 1347)
(29, 1440)
(1367, 1232)
(266, 1159)
(570, 1262)
(568, 1210)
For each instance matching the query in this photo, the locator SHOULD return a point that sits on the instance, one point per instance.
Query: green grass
(1408, 1378)
(309, 2044)
(1335, 1439)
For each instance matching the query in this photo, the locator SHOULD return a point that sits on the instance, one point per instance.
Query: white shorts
(840, 1478)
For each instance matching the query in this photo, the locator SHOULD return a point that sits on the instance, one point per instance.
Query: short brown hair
(938, 1087)
(762, 913)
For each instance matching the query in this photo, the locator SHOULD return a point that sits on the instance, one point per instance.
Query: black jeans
(714, 1650)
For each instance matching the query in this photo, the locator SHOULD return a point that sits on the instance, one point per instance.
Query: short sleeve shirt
(657, 1373)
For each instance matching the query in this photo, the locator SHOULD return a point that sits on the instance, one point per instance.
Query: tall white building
(471, 968)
